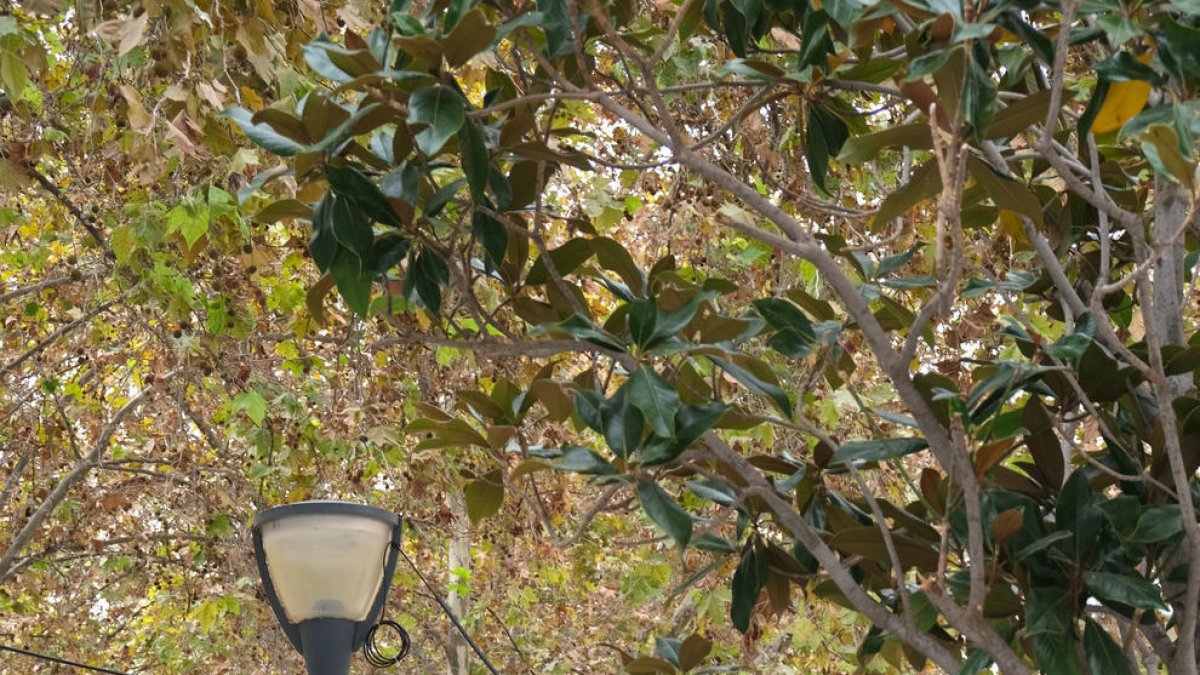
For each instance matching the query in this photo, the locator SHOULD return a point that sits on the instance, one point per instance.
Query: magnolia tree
(981, 212)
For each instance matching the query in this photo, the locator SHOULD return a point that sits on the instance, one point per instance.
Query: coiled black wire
(375, 656)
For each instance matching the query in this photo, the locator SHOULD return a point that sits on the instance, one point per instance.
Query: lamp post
(326, 567)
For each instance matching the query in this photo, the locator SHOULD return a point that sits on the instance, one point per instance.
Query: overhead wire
(65, 662)
(449, 614)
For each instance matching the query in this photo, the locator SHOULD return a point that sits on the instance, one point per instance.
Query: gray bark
(459, 557)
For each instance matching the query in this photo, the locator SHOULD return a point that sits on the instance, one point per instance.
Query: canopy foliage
(887, 306)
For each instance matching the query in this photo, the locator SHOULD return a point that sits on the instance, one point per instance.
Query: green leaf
(579, 459)
(263, 135)
(642, 317)
(484, 497)
(323, 244)
(579, 327)
(1161, 145)
(613, 256)
(353, 281)
(1126, 589)
(1077, 511)
(441, 111)
(1040, 544)
(1020, 115)
(566, 258)
(756, 384)
(795, 336)
(1005, 192)
(352, 228)
(924, 183)
(190, 221)
(1157, 523)
(658, 401)
(1104, 655)
(253, 404)
(349, 181)
(623, 424)
(1056, 653)
(471, 35)
(492, 235)
(877, 450)
(665, 512)
(429, 273)
(1048, 609)
(816, 43)
(1123, 66)
(867, 146)
(748, 580)
(824, 138)
(670, 322)
(475, 164)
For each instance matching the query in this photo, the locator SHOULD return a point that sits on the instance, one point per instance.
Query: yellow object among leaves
(1123, 101)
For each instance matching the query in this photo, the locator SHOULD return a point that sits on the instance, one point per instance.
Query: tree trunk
(1170, 209)
(459, 559)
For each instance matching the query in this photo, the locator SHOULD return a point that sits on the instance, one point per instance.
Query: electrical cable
(375, 656)
(65, 662)
(449, 614)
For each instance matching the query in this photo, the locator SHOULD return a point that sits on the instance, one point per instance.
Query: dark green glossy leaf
(1157, 523)
(976, 663)
(429, 273)
(748, 580)
(353, 281)
(643, 315)
(1041, 544)
(475, 163)
(816, 43)
(1056, 653)
(1049, 609)
(579, 327)
(352, 228)
(1126, 589)
(587, 406)
(442, 113)
(492, 236)
(323, 245)
(795, 336)
(387, 252)
(579, 459)
(649, 392)
(665, 512)
(1077, 512)
(877, 450)
(1104, 655)
(825, 136)
(349, 181)
(623, 425)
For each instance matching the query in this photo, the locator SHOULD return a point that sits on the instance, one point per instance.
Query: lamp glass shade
(326, 565)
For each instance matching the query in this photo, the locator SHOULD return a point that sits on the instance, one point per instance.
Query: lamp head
(326, 567)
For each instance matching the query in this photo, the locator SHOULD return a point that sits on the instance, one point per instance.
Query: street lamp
(326, 567)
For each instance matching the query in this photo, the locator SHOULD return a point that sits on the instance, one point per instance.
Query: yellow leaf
(1010, 223)
(1124, 101)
